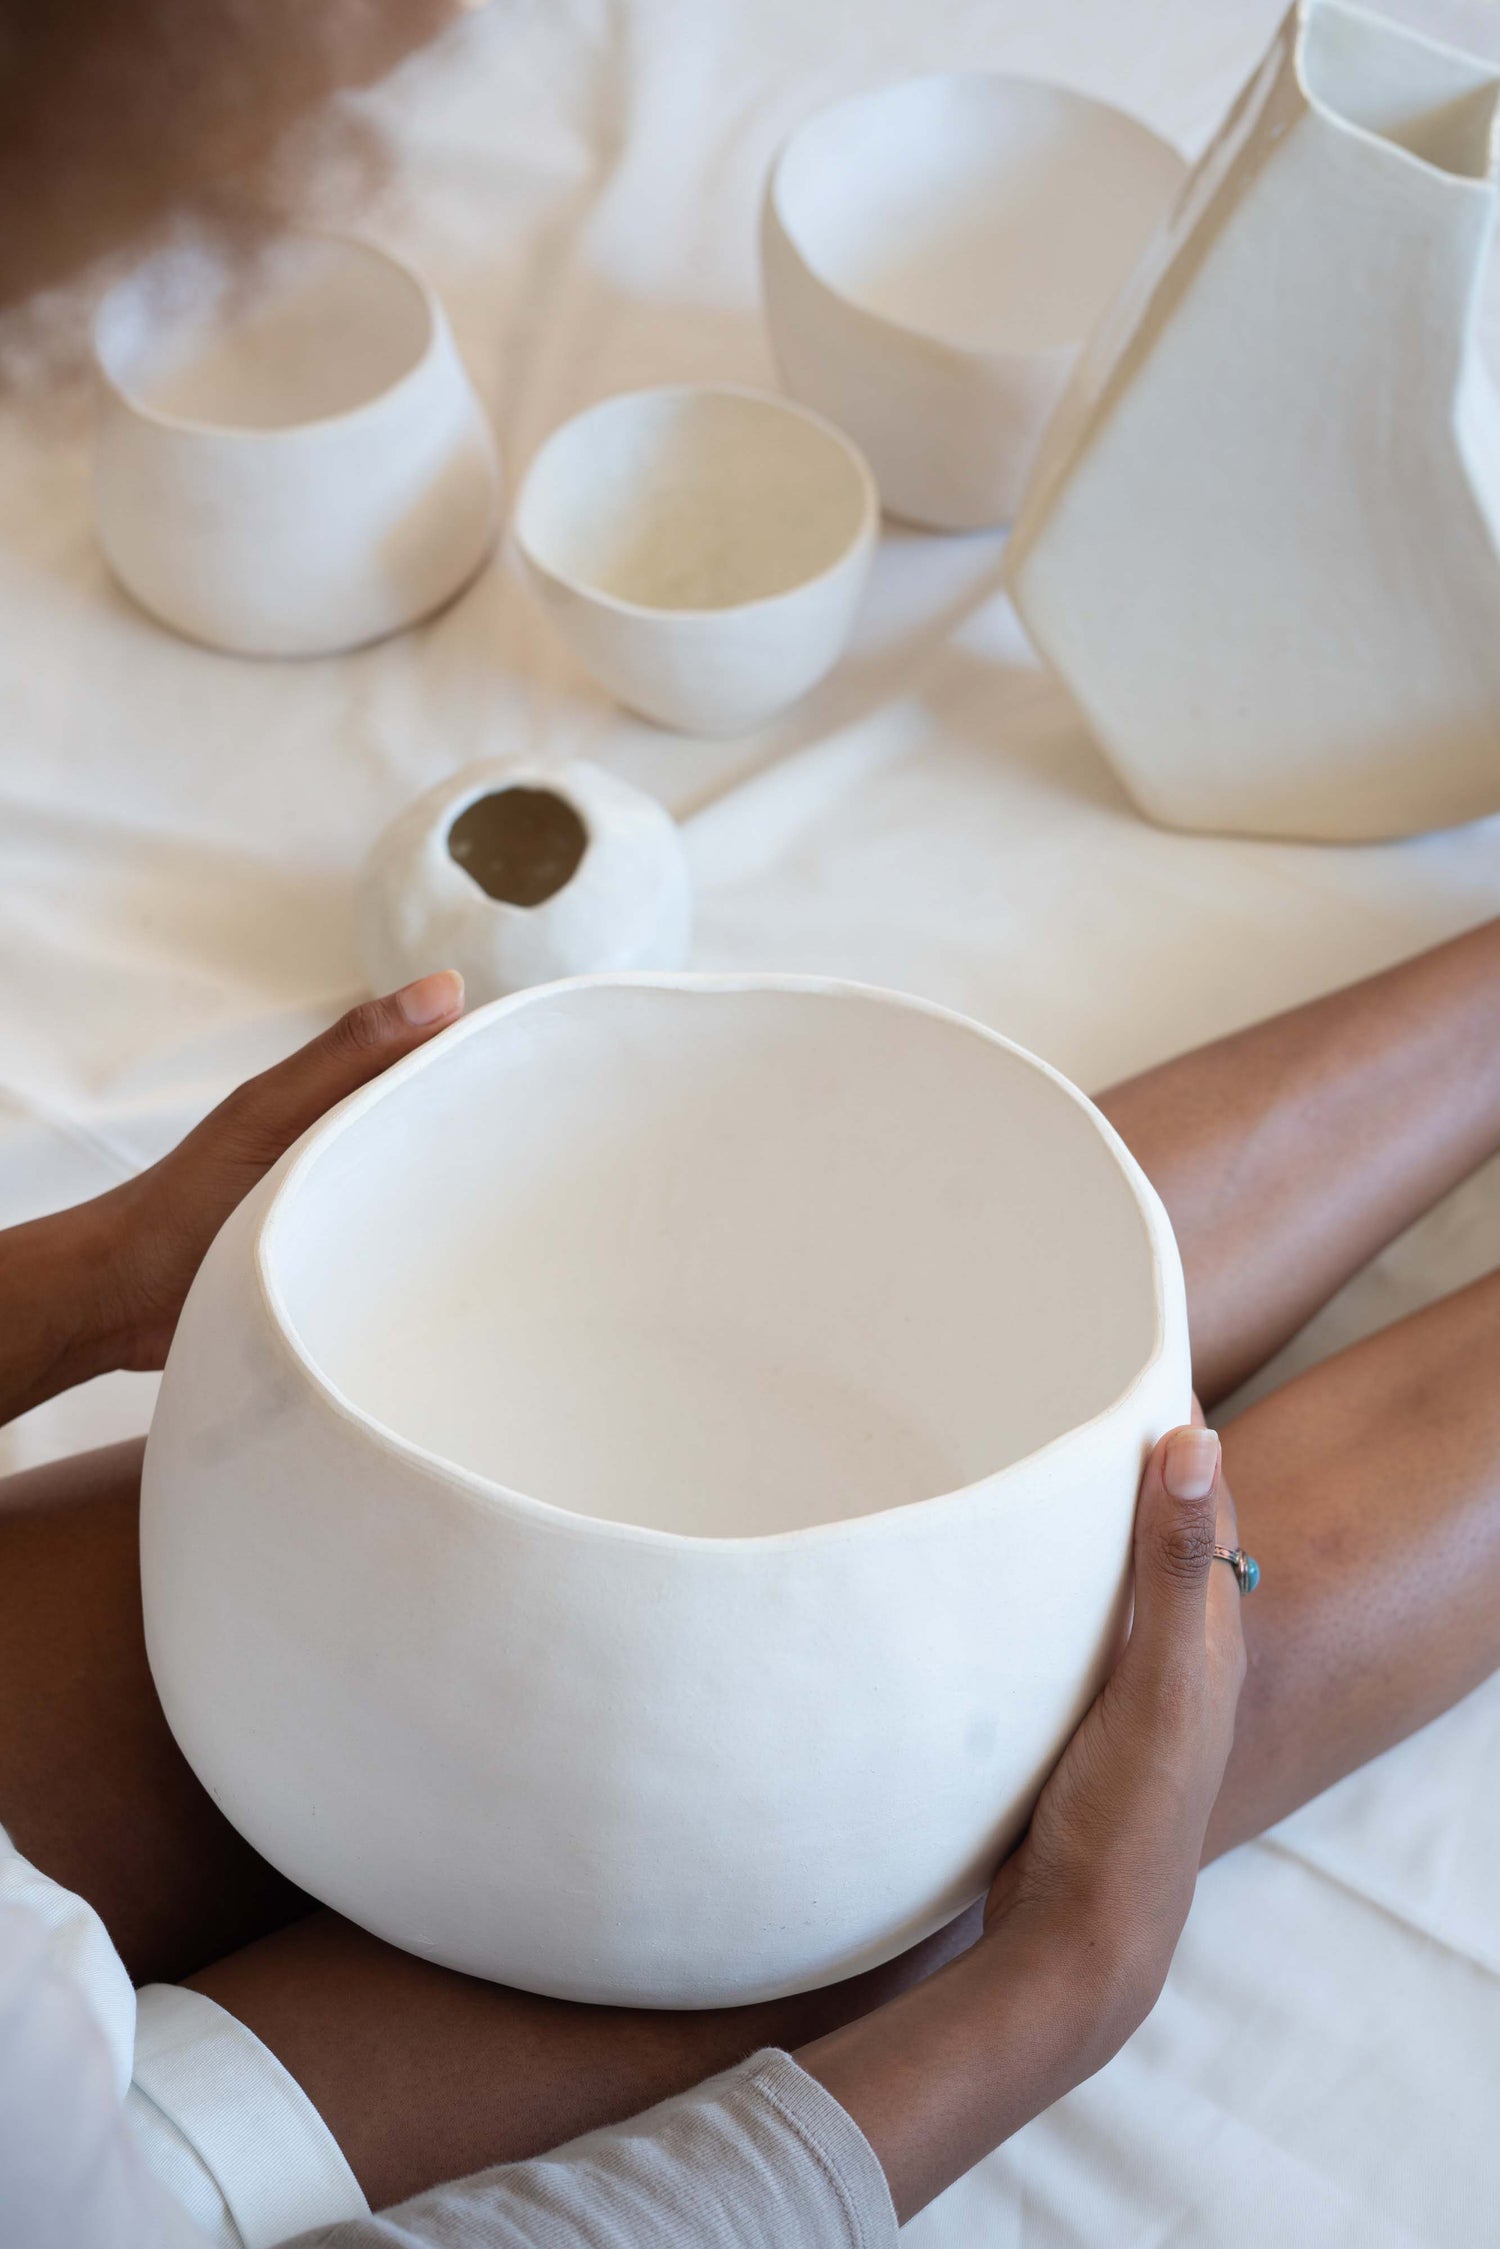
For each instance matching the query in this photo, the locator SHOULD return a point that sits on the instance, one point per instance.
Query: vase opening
(985, 212)
(1377, 76)
(316, 328)
(721, 1260)
(520, 845)
(693, 500)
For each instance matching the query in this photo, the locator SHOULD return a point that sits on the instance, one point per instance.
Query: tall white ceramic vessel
(643, 1492)
(292, 463)
(1262, 546)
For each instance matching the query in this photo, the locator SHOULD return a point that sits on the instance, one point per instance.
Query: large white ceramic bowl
(702, 549)
(642, 1493)
(518, 874)
(934, 254)
(293, 462)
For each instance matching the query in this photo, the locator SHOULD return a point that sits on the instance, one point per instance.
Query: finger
(269, 1112)
(1174, 1540)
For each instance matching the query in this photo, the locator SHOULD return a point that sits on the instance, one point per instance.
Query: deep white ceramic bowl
(517, 874)
(702, 549)
(290, 462)
(934, 254)
(642, 1493)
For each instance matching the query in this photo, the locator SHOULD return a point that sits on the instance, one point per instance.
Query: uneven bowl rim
(956, 354)
(193, 426)
(861, 542)
(568, 1521)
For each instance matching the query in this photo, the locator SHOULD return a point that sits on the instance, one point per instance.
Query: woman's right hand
(1115, 1840)
(1084, 1916)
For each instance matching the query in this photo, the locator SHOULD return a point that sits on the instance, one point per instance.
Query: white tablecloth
(178, 833)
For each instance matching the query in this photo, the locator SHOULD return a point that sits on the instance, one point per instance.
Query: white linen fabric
(180, 833)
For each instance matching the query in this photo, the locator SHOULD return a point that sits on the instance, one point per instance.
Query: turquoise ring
(1245, 1567)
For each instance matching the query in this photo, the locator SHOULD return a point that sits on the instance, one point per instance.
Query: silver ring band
(1245, 1567)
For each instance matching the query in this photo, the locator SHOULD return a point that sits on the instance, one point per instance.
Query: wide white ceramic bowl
(934, 254)
(642, 1493)
(702, 549)
(518, 874)
(292, 462)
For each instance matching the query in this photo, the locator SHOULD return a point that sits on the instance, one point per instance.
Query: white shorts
(223, 2127)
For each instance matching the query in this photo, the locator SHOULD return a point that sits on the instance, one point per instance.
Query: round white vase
(291, 463)
(642, 1493)
(519, 874)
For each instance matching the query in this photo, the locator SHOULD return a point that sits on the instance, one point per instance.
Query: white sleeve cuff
(227, 2130)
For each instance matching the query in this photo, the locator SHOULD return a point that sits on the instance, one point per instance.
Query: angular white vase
(1262, 545)
(642, 1493)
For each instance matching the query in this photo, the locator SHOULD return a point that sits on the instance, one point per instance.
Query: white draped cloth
(179, 832)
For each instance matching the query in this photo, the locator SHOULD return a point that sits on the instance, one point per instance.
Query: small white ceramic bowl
(934, 254)
(642, 1494)
(702, 549)
(291, 463)
(517, 874)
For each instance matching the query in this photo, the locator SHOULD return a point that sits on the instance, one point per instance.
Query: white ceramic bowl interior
(701, 1417)
(291, 458)
(936, 252)
(702, 547)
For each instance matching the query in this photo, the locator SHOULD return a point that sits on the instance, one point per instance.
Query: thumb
(1174, 1542)
(267, 1113)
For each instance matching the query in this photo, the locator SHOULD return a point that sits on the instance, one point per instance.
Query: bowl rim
(196, 426)
(861, 541)
(504, 1498)
(931, 339)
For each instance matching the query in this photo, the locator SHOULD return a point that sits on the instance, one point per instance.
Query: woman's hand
(100, 1286)
(1115, 1840)
(1083, 1917)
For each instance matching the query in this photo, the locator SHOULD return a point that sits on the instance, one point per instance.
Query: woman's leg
(1289, 1153)
(93, 1788)
(1369, 1491)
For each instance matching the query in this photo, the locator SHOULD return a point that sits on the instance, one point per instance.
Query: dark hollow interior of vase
(520, 845)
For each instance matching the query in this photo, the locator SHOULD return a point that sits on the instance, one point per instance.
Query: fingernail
(1192, 1463)
(431, 997)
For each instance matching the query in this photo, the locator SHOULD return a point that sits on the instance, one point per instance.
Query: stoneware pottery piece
(934, 253)
(702, 549)
(1261, 546)
(642, 1493)
(291, 463)
(518, 874)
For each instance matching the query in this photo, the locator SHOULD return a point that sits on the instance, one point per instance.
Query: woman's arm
(99, 1287)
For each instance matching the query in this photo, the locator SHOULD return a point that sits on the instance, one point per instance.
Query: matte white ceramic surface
(424, 903)
(642, 1493)
(1261, 547)
(702, 549)
(292, 463)
(934, 253)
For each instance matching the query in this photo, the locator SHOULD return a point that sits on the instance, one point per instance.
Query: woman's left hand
(100, 1286)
